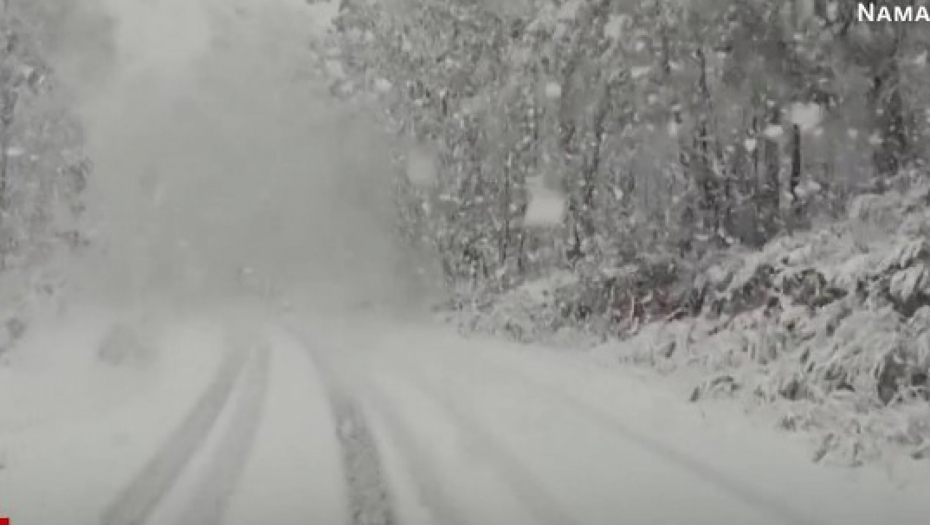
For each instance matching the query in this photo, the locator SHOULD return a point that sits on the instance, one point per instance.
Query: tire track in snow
(706, 472)
(521, 480)
(139, 498)
(370, 500)
(209, 503)
(411, 450)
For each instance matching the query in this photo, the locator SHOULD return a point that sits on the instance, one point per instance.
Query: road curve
(490, 433)
(376, 422)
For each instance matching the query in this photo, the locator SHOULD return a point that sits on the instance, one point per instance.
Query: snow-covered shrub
(819, 321)
(528, 313)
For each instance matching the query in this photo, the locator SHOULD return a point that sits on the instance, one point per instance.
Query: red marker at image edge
(4, 520)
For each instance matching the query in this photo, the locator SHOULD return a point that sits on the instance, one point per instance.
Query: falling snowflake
(546, 207)
(921, 59)
(614, 27)
(639, 72)
(421, 167)
(334, 69)
(773, 131)
(553, 91)
(383, 85)
(806, 116)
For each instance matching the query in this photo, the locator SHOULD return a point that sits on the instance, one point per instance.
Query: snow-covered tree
(43, 170)
(669, 128)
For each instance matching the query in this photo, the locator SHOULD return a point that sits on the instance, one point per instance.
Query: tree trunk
(795, 178)
(769, 196)
(706, 173)
(890, 124)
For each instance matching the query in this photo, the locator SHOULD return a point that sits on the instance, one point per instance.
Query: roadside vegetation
(43, 169)
(736, 188)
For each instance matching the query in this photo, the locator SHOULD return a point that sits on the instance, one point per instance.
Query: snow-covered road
(483, 432)
(369, 421)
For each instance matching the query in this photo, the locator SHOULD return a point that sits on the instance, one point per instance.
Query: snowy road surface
(299, 421)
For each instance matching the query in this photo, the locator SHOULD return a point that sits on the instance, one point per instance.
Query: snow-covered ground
(73, 428)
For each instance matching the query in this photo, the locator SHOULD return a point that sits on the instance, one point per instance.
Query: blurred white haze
(211, 155)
